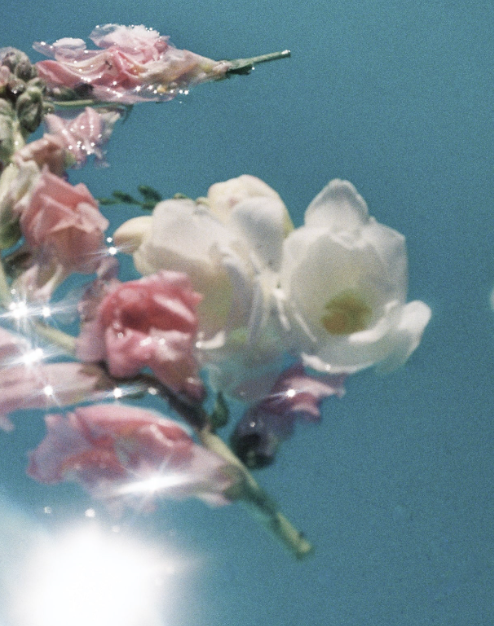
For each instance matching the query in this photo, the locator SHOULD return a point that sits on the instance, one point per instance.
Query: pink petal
(124, 454)
(151, 322)
(44, 386)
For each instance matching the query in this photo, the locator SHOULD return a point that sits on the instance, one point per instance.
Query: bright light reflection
(153, 484)
(19, 310)
(91, 578)
(33, 356)
(48, 391)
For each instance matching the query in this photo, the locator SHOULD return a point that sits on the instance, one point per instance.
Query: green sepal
(220, 414)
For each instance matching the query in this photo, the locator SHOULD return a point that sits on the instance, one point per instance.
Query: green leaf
(150, 194)
(126, 198)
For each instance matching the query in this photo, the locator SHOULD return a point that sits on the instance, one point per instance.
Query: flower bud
(254, 441)
(25, 70)
(29, 108)
(18, 63)
(7, 141)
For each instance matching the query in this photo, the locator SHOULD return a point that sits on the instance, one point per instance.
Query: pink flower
(66, 220)
(11, 346)
(26, 385)
(295, 395)
(63, 229)
(49, 150)
(83, 135)
(151, 322)
(117, 451)
(133, 64)
(70, 141)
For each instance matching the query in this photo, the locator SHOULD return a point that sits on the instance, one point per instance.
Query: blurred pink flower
(151, 322)
(28, 385)
(49, 150)
(124, 454)
(295, 395)
(133, 64)
(83, 135)
(63, 229)
(11, 346)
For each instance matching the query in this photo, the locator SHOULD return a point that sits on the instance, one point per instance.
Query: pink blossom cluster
(124, 454)
(133, 64)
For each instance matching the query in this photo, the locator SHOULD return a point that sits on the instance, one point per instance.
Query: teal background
(395, 486)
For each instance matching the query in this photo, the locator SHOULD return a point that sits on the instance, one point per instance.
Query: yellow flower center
(346, 313)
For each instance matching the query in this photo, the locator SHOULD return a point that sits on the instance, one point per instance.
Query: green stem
(53, 335)
(244, 66)
(5, 298)
(123, 109)
(257, 502)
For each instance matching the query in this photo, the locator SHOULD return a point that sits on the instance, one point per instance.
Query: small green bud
(29, 108)
(25, 70)
(11, 58)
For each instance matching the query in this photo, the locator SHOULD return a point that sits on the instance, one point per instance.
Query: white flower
(230, 245)
(343, 287)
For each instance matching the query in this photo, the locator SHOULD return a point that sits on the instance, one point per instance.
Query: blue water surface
(395, 485)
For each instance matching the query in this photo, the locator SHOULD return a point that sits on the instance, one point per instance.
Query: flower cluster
(233, 301)
(331, 293)
(133, 64)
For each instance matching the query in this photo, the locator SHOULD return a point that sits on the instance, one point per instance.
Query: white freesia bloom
(343, 287)
(230, 245)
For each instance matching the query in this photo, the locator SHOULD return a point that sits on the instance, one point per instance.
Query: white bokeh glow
(88, 577)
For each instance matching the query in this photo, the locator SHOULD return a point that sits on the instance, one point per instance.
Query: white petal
(223, 197)
(390, 246)
(181, 238)
(415, 317)
(131, 234)
(338, 206)
(260, 222)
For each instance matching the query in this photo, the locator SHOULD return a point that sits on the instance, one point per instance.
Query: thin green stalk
(244, 66)
(257, 501)
(5, 298)
(53, 335)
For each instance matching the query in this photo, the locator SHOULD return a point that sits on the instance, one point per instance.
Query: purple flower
(295, 395)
